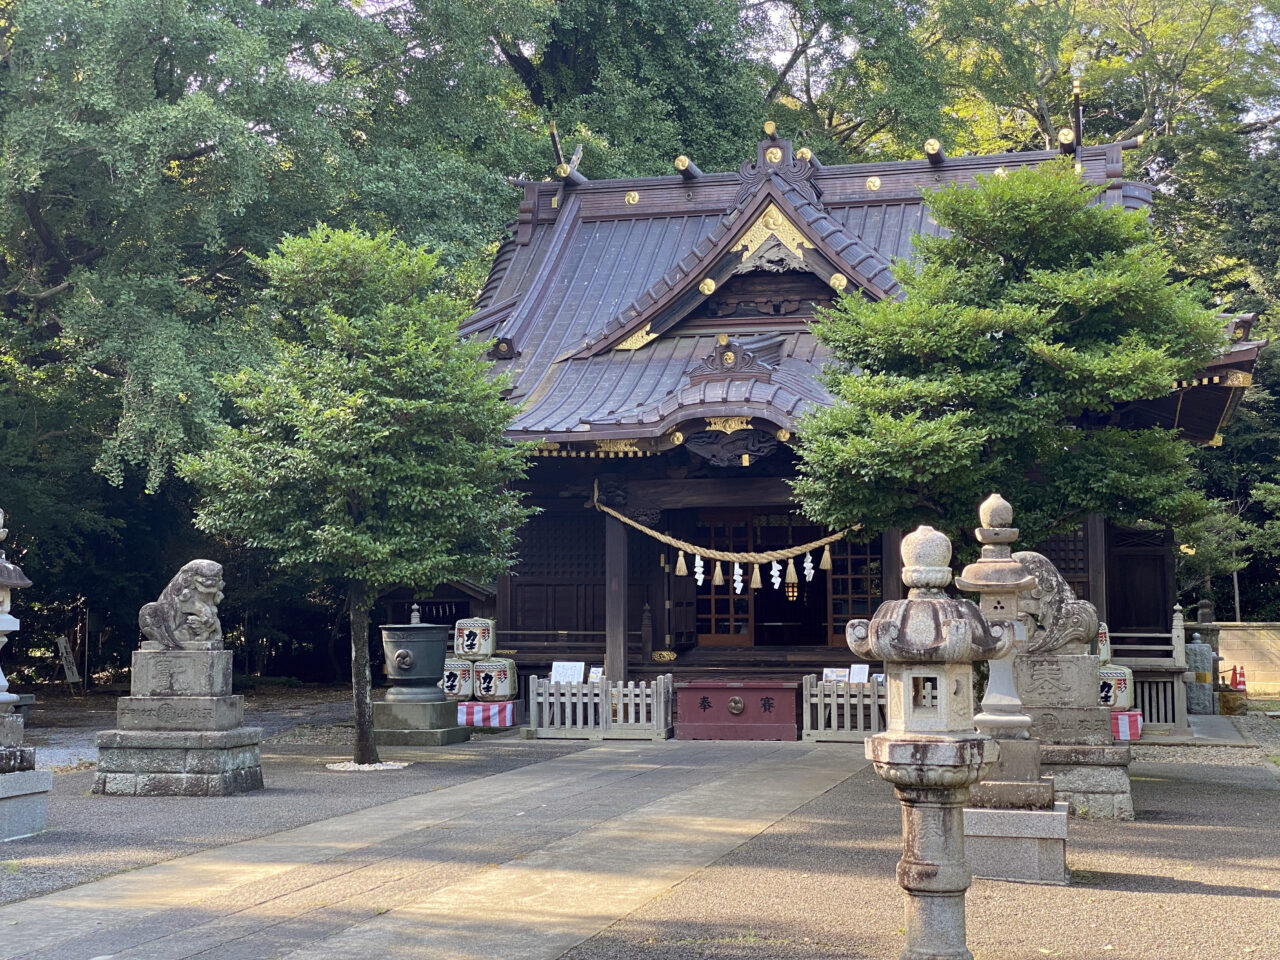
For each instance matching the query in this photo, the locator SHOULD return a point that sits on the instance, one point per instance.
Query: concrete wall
(1256, 647)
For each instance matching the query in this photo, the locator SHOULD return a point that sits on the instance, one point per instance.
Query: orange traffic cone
(1240, 684)
(1235, 678)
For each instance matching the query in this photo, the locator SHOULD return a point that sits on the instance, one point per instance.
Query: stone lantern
(1013, 829)
(11, 578)
(930, 751)
(24, 790)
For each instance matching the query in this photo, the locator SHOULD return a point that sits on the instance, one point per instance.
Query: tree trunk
(358, 603)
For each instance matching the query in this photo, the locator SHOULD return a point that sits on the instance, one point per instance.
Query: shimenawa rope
(765, 556)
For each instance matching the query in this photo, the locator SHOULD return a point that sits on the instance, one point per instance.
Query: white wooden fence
(602, 710)
(841, 711)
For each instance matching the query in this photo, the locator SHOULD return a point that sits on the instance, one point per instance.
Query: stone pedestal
(1201, 665)
(181, 731)
(1015, 780)
(417, 724)
(1093, 780)
(1060, 694)
(1023, 845)
(1089, 772)
(24, 790)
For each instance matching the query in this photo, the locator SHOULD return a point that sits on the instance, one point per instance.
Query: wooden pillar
(615, 600)
(891, 565)
(1096, 539)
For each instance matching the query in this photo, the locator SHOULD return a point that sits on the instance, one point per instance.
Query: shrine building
(656, 334)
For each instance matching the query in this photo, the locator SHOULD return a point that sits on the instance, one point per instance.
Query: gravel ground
(1263, 729)
(1197, 875)
(1243, 756)
(64, 728)
(92, 837)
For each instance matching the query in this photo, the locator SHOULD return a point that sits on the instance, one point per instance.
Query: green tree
(1023, 332)
(369, 450)
(149, 148)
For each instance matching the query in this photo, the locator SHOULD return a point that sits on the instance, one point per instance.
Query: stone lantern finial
(926, 561)
(996, 512)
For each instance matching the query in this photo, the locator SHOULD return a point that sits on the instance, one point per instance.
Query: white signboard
(68, 660)
(567, 671)
(595, 674)
(878, 677)
(836, 674)
(858, 673)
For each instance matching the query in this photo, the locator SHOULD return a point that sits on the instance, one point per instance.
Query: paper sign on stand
(567, 671)
(595, 674)
(835, 674)
(858, 673)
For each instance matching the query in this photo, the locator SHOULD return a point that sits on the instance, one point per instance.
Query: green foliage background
(151, 148)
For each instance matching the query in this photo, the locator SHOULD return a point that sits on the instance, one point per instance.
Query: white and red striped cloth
(475, 714)
(1126, 724)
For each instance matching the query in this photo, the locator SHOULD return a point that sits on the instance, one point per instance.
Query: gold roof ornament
(626, 445)
(638, 339)
(770, 128)
(805, 154)
(707, 286)
(631, 198)
(873, 183)
(772, 222)
(728, 424)
(681, 162)
(838, 282)
(773, 155)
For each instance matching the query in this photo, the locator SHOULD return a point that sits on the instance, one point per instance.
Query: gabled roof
(776, 212)
(595, 303)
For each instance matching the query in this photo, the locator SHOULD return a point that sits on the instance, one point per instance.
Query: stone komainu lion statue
(1056, 621)
(187, 611)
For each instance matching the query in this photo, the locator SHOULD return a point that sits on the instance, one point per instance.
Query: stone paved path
(523, 864)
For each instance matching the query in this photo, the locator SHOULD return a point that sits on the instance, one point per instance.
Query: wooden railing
(1158, 662)
(601, 710)
(831, 710)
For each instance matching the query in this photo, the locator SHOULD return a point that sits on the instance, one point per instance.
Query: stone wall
(1256, 647)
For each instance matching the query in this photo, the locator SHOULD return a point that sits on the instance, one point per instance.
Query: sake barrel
(458, 679)
(495, 679)
(473, 639)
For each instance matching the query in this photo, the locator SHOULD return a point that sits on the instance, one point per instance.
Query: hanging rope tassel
(755, 577)
(681, 569)
(791, 571)
(825, 562)
(718, 579)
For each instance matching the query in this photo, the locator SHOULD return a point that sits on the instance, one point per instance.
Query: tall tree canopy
(149, 148)
(368, 450)
(1021, 332)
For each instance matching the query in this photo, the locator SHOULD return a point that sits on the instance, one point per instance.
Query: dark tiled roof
(594, 263)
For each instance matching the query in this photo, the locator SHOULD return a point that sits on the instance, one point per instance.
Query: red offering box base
(708, 710)
(475, 714)
(1126, 724)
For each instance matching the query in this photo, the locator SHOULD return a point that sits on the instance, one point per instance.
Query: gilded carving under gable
(728, 424)
(772, 222)
(618, 446)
